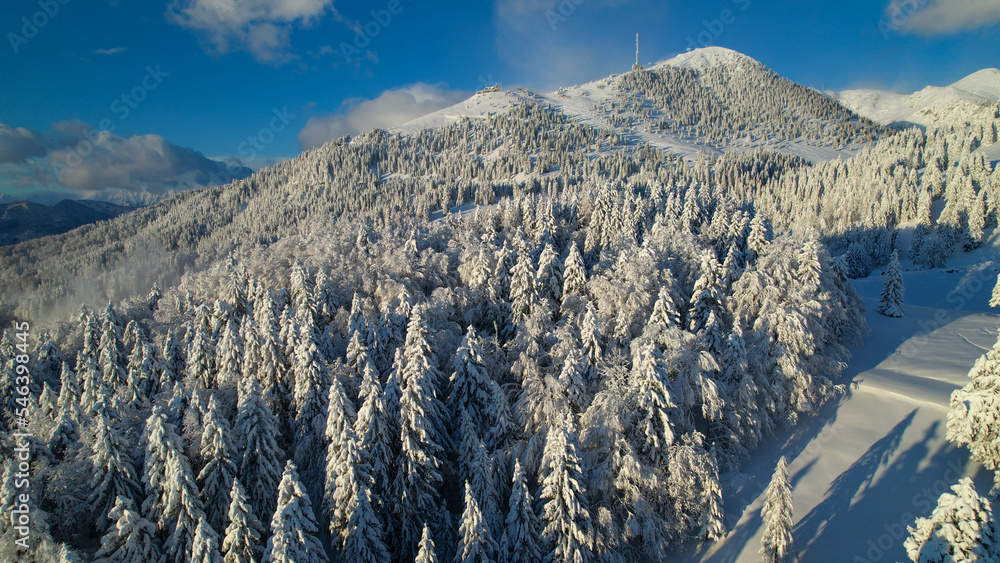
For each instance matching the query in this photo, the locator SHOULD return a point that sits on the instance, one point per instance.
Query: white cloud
(260, 27)
(940, 17)
(79, 159)
(390, 108)
(111, 51)
(18, 144)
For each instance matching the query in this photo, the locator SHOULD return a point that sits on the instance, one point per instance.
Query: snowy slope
(583, 103)
(959, 102)
(480, 105)
(864, 469)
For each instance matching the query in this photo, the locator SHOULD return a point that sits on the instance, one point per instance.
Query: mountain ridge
(960, 102)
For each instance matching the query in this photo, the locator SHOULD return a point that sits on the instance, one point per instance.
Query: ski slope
(864, 468)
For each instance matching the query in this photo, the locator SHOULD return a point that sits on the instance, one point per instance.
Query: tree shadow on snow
(862, 522)
(789, 443)
(837, 505)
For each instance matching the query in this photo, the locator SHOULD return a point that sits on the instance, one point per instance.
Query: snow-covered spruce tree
(593, 344)
(217, 476)
(111, 356)
(132, 538)
(200, 362)
(975, 410)
(475, 543)
(293, 526)
(229, 356)
(205, 548)
(422, 438)
(425, 550)
(260, 458)
(480, 473)
(777, 544)
(346, 473)
(961, 529)
(242, 541)
(470, 384)
(568, 534)
(114, 471)
(891, 303)
(520, 541)
(574, 274)
(652, 386)
(995, 297)
(375, 431)
(365, 541)
(312, 381)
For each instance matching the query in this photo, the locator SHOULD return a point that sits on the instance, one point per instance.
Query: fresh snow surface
(933, 105)
(864, 468)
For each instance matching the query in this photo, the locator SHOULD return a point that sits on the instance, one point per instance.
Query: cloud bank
(81, 161)
(390, 108)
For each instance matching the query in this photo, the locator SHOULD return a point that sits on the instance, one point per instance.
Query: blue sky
(181, 85)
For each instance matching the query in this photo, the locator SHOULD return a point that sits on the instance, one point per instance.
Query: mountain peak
(710, 57)
(984, 83)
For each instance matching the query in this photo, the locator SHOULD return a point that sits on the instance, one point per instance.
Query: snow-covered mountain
(711, 100)
(25, 220)
(966, 100)
(534, 301)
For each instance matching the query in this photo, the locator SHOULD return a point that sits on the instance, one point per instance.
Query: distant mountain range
(25, 220)
(934, 105)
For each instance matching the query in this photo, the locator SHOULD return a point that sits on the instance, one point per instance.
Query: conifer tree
(200, 362)
(293, 526)
(418, 477)
(475, 543)
(974, 412)
(470, 385)
(961, 529)
(205, 547)
(521, 542)
(345, 470)
(574, 274)
(425, 550)
(374, 429)
(241, 543)
(891, 303)
(132, 538)
(312, 382)
(568, 534)
(229, 356)
(114, 471)
(593, 349)
(995, 297)
(365, 537)
(217, 476)
(653, 387)
(777, 544)
(260, 459)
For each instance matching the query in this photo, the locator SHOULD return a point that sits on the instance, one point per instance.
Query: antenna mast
(637, 66)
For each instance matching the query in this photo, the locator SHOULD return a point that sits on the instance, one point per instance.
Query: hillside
(589, 318)
(23, 220)
(711, 100)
